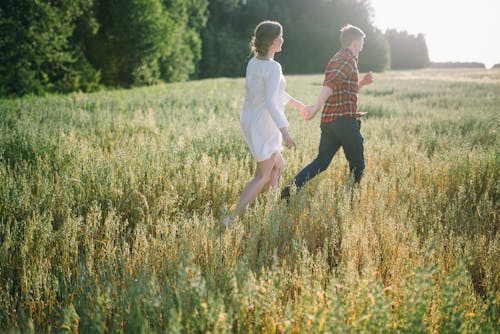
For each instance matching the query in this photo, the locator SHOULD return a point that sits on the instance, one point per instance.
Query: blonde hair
(264, 35)
(350, 33)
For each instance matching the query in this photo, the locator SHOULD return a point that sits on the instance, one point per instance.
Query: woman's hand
(304, 112)
(309, 112)
(289, 142)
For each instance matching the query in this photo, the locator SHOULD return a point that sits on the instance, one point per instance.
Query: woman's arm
(274, 103)
(294, 103)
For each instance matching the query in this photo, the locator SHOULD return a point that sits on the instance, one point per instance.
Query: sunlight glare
(454, 30)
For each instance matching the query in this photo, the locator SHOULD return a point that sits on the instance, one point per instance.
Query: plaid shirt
(341, 75)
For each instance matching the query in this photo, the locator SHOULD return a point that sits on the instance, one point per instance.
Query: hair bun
(264, 35)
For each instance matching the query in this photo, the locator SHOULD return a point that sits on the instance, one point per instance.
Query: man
(340, 124)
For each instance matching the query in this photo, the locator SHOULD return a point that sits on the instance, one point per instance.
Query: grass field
(111, 202)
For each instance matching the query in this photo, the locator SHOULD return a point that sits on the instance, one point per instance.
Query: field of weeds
(110, 210)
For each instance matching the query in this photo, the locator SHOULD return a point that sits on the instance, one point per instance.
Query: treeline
(407, 51)
(456, 65)
(311, 33)
(70, 45)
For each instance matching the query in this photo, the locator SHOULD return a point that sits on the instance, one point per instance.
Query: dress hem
(260, 160)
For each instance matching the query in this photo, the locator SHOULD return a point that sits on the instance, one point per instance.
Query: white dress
(263, 112)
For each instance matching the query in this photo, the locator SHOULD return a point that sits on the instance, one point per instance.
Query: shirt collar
(349, 53)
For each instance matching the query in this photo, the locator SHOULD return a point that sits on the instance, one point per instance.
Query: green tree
(407, 51)
(132, 35)
(180, 59)
(143, 41)
(311, 35)
(311, 32)
(38, 49)
(376, 53)
(225, 39)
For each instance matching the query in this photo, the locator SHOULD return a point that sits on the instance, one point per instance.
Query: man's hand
(309, 112)
(303, 112)
(366, 80)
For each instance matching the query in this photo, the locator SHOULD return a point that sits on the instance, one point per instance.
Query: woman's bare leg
(254, 187)
(278, 167)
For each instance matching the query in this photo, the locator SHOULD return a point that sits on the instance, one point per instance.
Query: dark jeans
(345, 132)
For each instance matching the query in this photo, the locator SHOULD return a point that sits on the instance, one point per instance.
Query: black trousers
(343, 132)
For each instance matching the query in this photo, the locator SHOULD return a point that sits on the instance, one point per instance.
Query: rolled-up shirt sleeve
(275, 96)
(336, 73)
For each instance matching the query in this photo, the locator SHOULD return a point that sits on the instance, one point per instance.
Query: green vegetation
(407, 51)
(79, 45)
(37, 50)
(311, 33)
(111, 202)
(82, 45)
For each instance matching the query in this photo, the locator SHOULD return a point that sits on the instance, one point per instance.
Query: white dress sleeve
(274, 96)
(286, 97)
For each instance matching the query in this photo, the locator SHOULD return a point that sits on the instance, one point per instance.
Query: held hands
(303, 111)
(308, 112)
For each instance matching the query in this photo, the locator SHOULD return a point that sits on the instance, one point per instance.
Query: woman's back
(261, 76)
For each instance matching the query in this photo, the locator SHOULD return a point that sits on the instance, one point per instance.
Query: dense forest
(83, 45)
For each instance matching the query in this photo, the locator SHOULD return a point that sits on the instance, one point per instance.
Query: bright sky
(455, 30)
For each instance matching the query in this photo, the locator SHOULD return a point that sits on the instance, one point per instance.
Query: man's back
(341, 75)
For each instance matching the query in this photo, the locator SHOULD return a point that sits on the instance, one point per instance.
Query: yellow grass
(111, 203)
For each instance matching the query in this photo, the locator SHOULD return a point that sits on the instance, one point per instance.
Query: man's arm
(366, 80)
(324, 94)
(327, 91)
(335, 73)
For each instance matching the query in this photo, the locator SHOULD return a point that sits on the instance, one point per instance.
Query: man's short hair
(350, 33)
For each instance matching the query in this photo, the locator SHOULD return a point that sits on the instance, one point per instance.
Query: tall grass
(111, 202)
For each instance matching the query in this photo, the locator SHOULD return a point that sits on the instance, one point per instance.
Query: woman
(263, 121)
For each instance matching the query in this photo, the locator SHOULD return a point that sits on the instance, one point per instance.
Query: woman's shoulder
(274, 63)
(265, 62)
(273, 66)
(264, 66)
